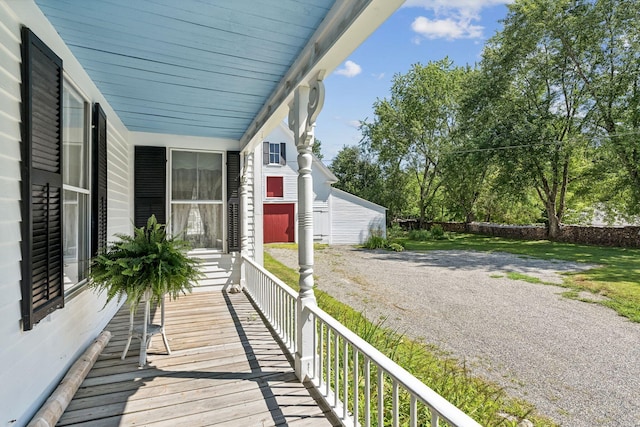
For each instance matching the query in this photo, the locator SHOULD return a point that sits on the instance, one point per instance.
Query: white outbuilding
(338, 217)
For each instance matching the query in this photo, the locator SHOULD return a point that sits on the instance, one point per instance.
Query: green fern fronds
(148, 260)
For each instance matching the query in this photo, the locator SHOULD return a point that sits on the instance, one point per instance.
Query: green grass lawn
(482, 400)
(617, 275)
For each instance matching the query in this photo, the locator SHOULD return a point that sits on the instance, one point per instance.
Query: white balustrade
(361, 385)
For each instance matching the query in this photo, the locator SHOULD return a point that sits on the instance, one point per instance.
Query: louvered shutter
(99, 182)
(42, 264)
(265, 153)
(233, 201)
(283, 153)
(150, 181)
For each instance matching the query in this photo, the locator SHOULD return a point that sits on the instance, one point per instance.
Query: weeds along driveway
(579, 363)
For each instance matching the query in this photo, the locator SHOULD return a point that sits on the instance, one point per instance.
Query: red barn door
(279, 223)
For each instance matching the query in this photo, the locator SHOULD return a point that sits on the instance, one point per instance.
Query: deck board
(225, 369)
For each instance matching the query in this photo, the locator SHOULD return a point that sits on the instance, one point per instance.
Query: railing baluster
(345, 378)
(367, 392)
(380, 397)
(434, 418)
(336, 370)
(328, 360)
(320, 353)
(395, 403)
(413, 411)
(356, 386)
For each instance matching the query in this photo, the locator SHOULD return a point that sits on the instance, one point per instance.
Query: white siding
(321, 222)
(352, 218)
(220, 270)
(34, 361)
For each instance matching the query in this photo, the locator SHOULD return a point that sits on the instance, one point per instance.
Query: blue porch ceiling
(186, 67)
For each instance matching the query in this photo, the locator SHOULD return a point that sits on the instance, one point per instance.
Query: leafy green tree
(531, 108)
(601, 43)
(316, 149)
(358, 174)
(414, 127)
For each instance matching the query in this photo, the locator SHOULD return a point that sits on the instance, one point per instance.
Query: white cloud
(454, 19)
(349, 69)
(378, 76)
(446, 28)
(468, 5)
(354, 124)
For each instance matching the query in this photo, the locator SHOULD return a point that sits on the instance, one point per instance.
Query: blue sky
(420, 31)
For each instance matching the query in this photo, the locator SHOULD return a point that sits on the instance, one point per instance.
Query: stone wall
(628, 237)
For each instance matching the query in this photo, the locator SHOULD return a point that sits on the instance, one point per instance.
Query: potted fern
(145, 266)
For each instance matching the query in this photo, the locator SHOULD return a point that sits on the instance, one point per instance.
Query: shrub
(419, 235)
(396, 247)
(395, 231)
(375, 242)
(437, 232)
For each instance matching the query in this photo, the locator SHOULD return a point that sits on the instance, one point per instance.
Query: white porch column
(303, 111)
(244, 209)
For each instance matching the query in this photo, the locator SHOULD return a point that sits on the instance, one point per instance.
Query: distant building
(338, 217)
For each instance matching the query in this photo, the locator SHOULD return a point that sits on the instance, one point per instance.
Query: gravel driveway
(579, 363)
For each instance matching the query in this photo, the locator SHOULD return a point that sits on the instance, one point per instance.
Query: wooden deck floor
(225, 369)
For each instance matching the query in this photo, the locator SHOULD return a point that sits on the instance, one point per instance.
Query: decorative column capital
(303, 111)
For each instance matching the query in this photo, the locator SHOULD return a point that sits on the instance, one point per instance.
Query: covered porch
(156, 83)
(226, 368)
(236, 360)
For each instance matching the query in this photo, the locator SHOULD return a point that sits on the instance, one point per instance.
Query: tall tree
(601, 41)
(414, 127)
(531, 108)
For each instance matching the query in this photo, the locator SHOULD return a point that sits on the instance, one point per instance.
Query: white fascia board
(346, 26)
(331, 178)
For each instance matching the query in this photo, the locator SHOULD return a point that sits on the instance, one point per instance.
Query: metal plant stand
(147, 330)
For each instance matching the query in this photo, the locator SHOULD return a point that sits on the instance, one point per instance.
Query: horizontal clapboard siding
(118, 183)
(33, 362)
(10, 216)
(352, 218)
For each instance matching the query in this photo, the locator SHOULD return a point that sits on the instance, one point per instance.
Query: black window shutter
(283, 153)
(233, 201)
(99, 182)
(265, 153)
(150, 180)
(42, 281)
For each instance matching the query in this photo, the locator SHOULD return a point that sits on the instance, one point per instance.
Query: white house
(338, 217)
(112, 111)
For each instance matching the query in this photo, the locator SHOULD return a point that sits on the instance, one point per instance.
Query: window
(274, 186)
(197, 206)
(274, 153)
(76, 186)
(59, 227)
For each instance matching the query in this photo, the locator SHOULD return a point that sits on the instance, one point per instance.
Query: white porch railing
(377, 391)
(275, 299)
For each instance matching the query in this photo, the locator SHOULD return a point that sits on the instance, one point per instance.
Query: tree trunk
(553, 229)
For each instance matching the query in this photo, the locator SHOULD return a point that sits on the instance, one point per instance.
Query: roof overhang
(222, 70)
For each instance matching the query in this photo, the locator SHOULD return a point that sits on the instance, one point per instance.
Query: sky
(419, 32)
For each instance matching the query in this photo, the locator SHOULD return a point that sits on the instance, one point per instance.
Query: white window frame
(223, 202)
(273, 153)
(71, 289)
